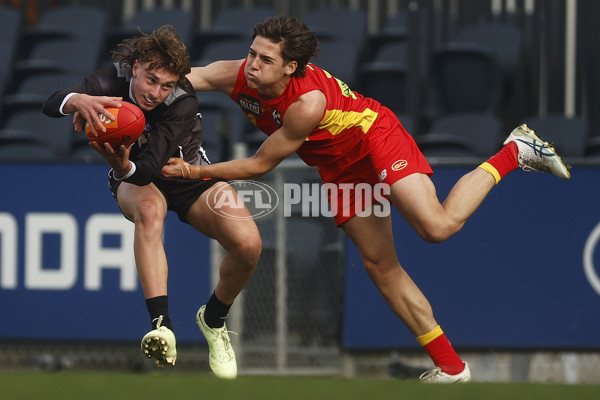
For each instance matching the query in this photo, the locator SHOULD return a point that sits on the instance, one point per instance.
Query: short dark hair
(163, 48)
(299, 43)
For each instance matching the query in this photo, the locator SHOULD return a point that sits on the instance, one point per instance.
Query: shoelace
(433, 375)
(160, 319)
(222, 335)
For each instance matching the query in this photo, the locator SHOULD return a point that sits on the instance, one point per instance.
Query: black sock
(215, 312)
(158, 306)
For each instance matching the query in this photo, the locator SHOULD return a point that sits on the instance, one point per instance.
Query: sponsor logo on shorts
(398, 165)
(382, 175)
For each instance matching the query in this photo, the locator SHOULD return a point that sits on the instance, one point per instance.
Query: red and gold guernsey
(348, 116)
(358, 141)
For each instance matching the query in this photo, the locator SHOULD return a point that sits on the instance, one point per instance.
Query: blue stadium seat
(568, 134)
(503, 40)
(465, 79)
(77, 23)
(340, 59)
(35, 89)
(10, 27)
(53, 133)
(338, 23)
(235, 24)
(147, 21)
(230, 49)
(62, 56)
(24, 151)
(385, 78)
(476, 135)
(394, 32)
(223, 125)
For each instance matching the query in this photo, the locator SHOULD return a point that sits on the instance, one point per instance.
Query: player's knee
(437, 233)
(253, 248)
(248, 247)
(149, 215)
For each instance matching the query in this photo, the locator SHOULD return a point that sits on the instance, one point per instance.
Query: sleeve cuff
(122, 178)
(67, 97)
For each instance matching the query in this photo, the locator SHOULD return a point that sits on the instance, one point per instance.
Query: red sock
(502, 162)
(441, 352)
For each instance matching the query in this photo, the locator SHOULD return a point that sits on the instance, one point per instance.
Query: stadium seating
(223, 125)
(230, 49)
(340, 59)
(568, 134)
(33, 126)
(81, 151)
(338, 24)
(233, 24)
(147, 21)
(394, 32)
(10, 27)
(470, 74)
(341, 33)
(385, 78)
(25, 151)
(503, 40)
(64, 56)
(80, 23)
(35, 89)
(67, 39)
(465, 79)
(476, 135)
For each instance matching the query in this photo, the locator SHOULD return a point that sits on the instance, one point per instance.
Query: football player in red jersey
(355, 140)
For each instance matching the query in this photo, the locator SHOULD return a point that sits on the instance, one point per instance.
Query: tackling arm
(218, 76)
(301, 119)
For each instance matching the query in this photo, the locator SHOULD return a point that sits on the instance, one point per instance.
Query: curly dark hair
(299, 43)
(163, 48)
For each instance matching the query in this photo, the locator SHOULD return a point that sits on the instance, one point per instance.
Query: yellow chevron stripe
(337, 121)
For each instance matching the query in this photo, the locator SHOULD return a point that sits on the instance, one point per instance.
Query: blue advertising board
(67, 268)
(524, 272)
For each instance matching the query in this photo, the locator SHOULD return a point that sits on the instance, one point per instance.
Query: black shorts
(180, 194)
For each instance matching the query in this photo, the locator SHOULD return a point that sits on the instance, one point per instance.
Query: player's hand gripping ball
(126, 128)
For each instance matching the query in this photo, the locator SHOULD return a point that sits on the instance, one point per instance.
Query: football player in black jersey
(150, 71)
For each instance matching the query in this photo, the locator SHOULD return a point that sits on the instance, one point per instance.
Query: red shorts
(387, 154)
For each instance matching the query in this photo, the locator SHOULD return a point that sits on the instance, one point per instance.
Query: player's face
(265, 69)
(150, 87)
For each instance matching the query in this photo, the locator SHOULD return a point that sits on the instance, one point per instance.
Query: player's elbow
(259, 166)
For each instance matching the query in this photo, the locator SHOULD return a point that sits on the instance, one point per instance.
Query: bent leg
(415, 198)
(373, 237)
(239, 236)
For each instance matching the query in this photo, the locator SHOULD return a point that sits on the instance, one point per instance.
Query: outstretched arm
(218, 76)
(300, 120)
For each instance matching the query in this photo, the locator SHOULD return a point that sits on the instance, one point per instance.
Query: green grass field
(178, 386)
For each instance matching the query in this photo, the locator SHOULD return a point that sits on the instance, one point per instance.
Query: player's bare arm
(89, 108)
(218, 76)
(300, 120)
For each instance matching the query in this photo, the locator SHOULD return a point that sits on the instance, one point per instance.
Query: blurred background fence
(459, 73)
